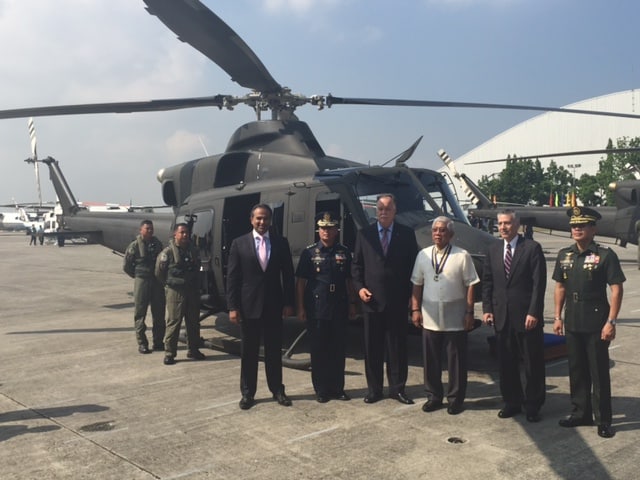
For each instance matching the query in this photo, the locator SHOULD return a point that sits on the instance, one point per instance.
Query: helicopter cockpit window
(415, 208)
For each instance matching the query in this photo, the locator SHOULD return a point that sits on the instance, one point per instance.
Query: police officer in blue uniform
(325, 301)
(582, 273)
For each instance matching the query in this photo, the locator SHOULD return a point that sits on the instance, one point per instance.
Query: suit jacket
(512, 299)
(252, 291)
(387, 278)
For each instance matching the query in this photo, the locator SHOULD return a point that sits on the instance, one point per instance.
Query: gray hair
(447, 222)
(512, 213)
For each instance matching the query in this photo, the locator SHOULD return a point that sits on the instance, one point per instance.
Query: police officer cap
(582, 215)
(327, 219)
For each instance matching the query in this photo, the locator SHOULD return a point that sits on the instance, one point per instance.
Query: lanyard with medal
(438, 266)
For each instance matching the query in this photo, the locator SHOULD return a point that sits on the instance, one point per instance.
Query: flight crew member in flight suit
(139, 263)
(582, 273)
(325, 301)
(178, 268)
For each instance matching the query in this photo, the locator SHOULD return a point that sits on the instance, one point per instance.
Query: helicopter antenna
(203, 146)
(401, 158)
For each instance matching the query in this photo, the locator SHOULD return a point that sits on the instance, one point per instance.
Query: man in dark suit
(259, 294)
(383, 260)
(514, 279)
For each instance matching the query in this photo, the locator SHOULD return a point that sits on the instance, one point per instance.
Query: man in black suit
(259, 294)
(383, 260)
(514, 279)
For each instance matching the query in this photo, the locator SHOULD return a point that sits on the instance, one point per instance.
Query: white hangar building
(554, 132)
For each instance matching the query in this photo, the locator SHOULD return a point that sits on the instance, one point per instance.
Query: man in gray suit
(514, 279)
(260, 293)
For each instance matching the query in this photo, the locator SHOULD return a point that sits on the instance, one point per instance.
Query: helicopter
(617, 222)
(277, 161)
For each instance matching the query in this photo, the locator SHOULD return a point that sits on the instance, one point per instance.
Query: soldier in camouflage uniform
(139, 263)
(178, 268)
(325, 300)
(582, 273)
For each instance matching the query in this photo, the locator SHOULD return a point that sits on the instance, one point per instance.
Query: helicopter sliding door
(235, 222)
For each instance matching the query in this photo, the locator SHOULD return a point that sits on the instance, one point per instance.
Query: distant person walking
(139, 263)
(41, 235)
(33, 232)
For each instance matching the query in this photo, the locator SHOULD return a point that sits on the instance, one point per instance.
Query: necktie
(507, 260)
(384, 241)
(262, 254)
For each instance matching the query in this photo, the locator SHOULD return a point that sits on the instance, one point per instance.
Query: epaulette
(310, 246)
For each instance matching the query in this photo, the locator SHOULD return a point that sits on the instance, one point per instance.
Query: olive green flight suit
(139, 263)
(178, 268)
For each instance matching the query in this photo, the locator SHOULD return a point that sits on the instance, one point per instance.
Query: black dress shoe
(402, 398)
(282, 398)
(572, 421)
(143, 349)
(169, 360)
(196, 355)
(372, 398)
(454, 409)
(605, 430)
(320, 398)
(533, 417)
(508, 412)
(431, 406)
(343, 396)
(246, 402)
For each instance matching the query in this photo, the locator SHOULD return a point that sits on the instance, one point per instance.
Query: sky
(535, 52)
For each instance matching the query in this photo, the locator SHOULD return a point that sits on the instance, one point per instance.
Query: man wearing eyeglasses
(582, 273)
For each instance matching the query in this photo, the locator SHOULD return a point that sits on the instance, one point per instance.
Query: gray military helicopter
(617, 222)
(277, 161)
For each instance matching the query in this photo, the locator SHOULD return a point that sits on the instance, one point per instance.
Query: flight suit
(139, 263)
(585, 276)
(178, 268)
(326, 303)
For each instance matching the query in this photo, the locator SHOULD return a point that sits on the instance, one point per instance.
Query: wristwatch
(612, 321)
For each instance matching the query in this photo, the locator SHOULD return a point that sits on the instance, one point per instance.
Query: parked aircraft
(276, 161)
(617, 222)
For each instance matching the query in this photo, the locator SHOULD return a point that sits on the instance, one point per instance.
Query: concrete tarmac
(78, 401)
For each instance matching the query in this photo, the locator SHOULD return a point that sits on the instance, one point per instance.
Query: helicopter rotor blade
(198, 26)
(561, 154)
(121, 107)
(331, 100)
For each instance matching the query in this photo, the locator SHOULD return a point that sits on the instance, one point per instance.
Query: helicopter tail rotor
(34, 156)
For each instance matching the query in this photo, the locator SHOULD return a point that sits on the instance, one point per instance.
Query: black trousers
(269, 327)
(589, 378)
(385, 337)
(514, 348)
(328, 347)
(433, 344)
